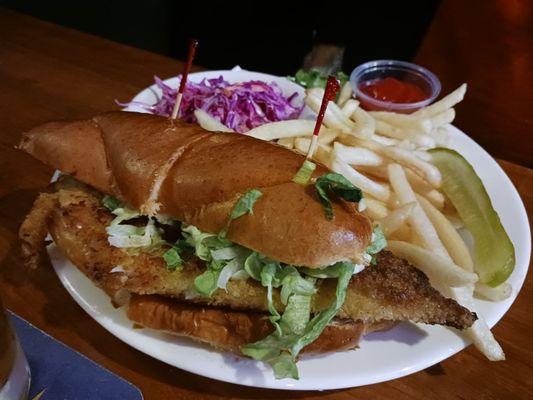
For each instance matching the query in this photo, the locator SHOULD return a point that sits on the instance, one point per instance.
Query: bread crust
(229, 330)
(196, 176)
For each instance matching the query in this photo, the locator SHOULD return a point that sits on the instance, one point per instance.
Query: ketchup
(393, 90)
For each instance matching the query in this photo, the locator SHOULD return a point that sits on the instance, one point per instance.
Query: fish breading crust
(392, 290)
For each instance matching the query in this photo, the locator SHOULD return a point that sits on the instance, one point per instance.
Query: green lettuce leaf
(316, 78)
(243, 206)
(223, 259)
(378, 241)
(111, 203)
(173, 259)
(340, 186)
(131, 236)
(294, 329)
(303, 176)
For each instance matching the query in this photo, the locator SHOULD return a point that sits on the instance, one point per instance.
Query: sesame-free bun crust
(229, 330)
(196, 176)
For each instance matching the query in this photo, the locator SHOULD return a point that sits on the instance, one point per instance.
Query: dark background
(259, 36)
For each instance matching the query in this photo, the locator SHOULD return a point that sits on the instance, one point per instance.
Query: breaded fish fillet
(392, 290)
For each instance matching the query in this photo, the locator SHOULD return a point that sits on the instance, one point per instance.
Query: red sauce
(393, 90)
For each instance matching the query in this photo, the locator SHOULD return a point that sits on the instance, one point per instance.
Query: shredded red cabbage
(240, 106)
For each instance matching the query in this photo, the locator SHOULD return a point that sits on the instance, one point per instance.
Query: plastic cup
(401, 70)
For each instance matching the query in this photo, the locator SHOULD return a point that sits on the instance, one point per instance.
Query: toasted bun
(230, 330)
(196, 176)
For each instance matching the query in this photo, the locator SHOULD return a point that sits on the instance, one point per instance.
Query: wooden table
(48, 72)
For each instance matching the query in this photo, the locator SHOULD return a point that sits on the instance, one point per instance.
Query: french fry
(361, 124)
(453, 242)
(375, 209)
(333, 117)
(441, 136)
(479, 333)
(322, 153)
(345, 94)
(390, 131)
(498, 293)
(394, 202)
(407, 145)
(365, 125)
(443, 118)
(357, 155)
(349, 107)
(406, 158)
(403, 233)
(367, 185)
(455, 219)
(210, 123)
(435, 197)
(379, 171)
(396, 219)
(418, 184)
(384, 141)
(302, 144)
(286, 142)
(417, 219)
(423, 155)
(438, 268)
(443, 104)
(423, 168)
(327, 137)
(285, 129)
(405, 121)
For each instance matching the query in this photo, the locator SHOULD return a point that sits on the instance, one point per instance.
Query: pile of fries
(385, 155)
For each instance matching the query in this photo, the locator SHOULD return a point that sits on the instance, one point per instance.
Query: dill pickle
(494, 255)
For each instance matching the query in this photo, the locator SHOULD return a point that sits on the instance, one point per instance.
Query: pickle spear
(494, 255)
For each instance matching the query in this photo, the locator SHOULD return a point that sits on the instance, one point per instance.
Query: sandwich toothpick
(185, 73)
(332, 87)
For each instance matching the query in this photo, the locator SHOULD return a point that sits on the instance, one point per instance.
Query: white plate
(406, 349)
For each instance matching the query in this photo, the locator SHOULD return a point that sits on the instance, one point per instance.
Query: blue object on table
(58, 372)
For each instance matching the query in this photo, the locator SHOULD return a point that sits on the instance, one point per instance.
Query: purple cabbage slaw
(239, 106)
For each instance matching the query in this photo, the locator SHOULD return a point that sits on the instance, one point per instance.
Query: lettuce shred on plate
(240, 106)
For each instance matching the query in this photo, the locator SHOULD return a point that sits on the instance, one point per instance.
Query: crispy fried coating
(392, 290)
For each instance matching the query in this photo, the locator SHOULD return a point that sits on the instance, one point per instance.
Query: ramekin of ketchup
(390, 85)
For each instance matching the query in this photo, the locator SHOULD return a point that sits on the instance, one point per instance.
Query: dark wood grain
(489, 45)
(48, 72)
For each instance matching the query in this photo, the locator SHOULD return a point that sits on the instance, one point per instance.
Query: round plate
(382, 356)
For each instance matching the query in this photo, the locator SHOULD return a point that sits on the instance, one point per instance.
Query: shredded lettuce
(243, 206)
(295, 329)
(339, 185)
(111, 203)
(378, 243)
(173, 259)
(223, 259)
(316, 78)
(131, 236)
(303, 176)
